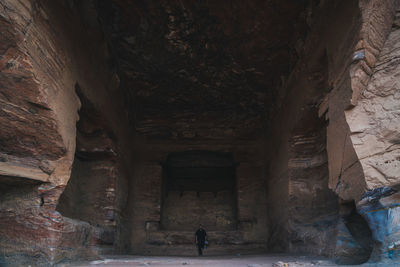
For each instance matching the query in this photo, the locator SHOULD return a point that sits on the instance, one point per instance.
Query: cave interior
(175, 114)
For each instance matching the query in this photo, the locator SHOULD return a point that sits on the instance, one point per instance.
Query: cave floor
(231, 261)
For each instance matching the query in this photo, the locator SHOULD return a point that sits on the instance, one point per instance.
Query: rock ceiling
(202, 69)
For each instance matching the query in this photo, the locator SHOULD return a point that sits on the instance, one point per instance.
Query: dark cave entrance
(199, 187)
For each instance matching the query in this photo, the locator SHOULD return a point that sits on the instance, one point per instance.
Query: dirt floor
(277, 260)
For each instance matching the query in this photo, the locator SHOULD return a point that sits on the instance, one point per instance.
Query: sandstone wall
(347, 177)
(47, 47)
(367, 121)
(144, 208)
(374, 122)
(301, 163)
(36, 97)
(362, 122)
(346, 74)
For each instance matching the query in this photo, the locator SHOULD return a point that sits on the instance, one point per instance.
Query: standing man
(200, 239)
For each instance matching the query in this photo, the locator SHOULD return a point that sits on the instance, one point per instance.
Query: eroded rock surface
(375, 121)
(97, 96)
(200, 70)
(34, 144)
(350, 78)
(38, 114)
(380, 207)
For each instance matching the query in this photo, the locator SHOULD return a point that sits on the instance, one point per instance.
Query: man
(200, 239)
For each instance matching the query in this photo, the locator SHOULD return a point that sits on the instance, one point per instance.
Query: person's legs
(200, 246)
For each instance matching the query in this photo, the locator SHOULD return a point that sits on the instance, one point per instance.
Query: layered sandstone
(124, 124)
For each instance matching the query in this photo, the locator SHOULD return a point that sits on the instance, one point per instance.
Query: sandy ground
(223, 261)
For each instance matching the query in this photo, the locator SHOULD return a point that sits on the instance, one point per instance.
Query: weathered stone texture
(202, 70)
(33, 232)
(313, 207)
(214, 211)
(350, 78)
(90, 194)
(144, 210)
(34, 141)
(345, 174)
(301, 159)
(304, 96)
(41, 59)
(380, 208)
(375, 121)
(377, 18)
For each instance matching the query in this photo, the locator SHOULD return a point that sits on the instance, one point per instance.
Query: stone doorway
(199, 187)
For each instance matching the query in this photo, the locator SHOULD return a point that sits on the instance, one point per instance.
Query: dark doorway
(199, 187)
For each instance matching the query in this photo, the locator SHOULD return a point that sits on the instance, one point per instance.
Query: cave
(127, 123)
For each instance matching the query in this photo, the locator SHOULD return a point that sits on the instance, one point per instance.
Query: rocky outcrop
(374, 125)
(32, 231)
(37, 115)
(375, 121)
(350, 78)
(37, 138)
(40, 62)
(350, 74)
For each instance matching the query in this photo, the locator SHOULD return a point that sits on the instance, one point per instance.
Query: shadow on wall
(354, 238)
(313, 207)
(90, 194)
(312, 135)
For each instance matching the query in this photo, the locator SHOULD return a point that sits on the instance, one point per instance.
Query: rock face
(300, 157)
(200, 77)
(31, 81)
(35, 144)
(350, 78)
(354, 242)
(90, 193)
(124, 124)
(380, 207)
(375, 121)
(236, 226)
(34, 232)
(374, 125)
(346, 76)
(203, 187)
(201, 70)
(310, 200)
(38, 114)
